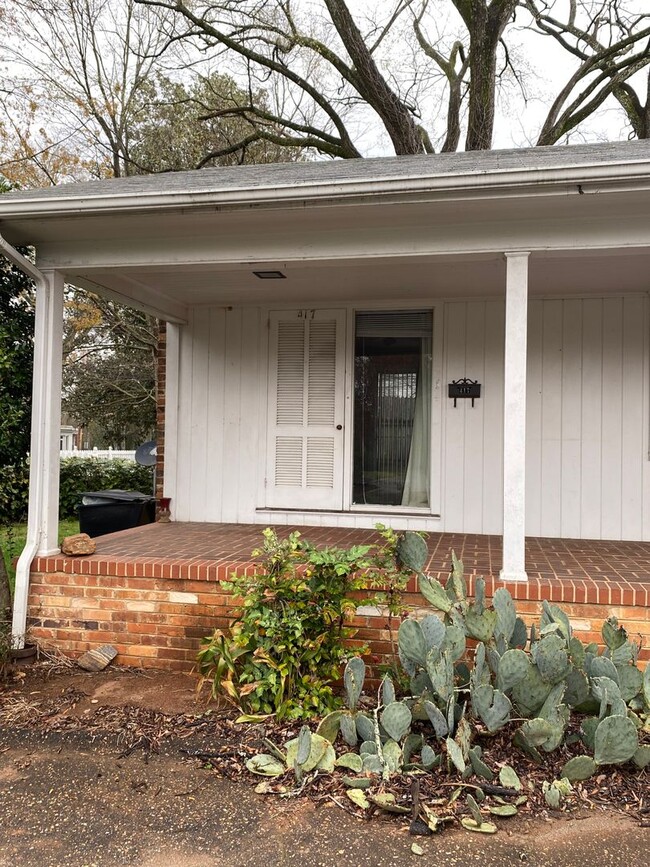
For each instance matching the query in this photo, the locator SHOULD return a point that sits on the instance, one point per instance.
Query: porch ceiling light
(270, 275)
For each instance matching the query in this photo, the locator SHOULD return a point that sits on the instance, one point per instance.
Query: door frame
(437, 403)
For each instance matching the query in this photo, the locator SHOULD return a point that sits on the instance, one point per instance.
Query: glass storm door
(392, 408)
(306, 406)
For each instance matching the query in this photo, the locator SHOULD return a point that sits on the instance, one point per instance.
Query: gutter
(496, 182)
(36, 480)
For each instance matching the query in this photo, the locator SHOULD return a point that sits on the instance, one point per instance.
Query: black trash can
(103, 512)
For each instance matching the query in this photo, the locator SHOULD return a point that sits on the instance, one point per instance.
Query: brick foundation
(155, 608)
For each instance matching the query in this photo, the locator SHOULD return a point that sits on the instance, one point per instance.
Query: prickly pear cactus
(434, 593)
(396, 719)
(412, 643)
(353, 677)
(412, 552)
(616, 741)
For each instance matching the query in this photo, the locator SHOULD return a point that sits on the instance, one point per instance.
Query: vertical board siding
(571, 423)
(472, 449)
(587, 409)
(588, 420)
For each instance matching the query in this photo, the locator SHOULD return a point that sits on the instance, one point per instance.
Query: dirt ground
(76, 795)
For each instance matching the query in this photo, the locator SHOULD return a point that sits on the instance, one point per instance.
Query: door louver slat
(320, 462)
(288, 461)
(291, 372)
(321, 392)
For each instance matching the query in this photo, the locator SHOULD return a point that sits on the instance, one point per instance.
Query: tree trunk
(372, 86)
(485, 24)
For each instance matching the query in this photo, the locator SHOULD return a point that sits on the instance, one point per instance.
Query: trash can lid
(119, 496)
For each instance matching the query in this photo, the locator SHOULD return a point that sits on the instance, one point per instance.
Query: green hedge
(99, 474)
(14, 487)
(77, 475)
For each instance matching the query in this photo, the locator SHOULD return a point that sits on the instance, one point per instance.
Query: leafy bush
(14, 488)
(99, 474)
(286, 644)
(77, 475)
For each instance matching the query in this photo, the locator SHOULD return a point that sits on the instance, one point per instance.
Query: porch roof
(349, 230)
(337, 178)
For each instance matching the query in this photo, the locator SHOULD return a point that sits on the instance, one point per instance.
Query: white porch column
(43, 511)
(514, 419)
(172, 375)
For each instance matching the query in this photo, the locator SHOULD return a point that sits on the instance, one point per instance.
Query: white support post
(514, 419)
(172, 375)
(43, 510)
(47, 450)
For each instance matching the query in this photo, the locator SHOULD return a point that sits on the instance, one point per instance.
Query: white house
(318, 313)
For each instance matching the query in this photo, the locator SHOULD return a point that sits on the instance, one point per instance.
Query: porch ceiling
(381, 278)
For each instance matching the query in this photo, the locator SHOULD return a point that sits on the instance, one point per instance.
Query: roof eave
(504, 183)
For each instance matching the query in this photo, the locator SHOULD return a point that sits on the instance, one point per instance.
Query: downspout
(36, 480)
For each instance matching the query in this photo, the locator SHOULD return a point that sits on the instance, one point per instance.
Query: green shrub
(77, 475)
(14, 487)
(286, 644)
(99, 474)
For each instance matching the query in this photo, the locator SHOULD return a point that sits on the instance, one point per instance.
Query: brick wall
(158, 622)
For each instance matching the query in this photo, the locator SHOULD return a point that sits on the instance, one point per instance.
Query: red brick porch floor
(568, 570)
(153, 591)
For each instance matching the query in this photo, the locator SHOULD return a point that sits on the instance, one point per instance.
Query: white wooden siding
(588, 473)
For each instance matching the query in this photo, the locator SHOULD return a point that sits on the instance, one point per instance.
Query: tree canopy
(425, 71)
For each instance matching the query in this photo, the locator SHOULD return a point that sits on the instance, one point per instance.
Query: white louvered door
(306, 405)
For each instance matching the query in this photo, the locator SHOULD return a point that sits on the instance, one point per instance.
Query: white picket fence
(98, 453)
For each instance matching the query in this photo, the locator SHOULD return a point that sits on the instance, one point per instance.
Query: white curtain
(416, 483)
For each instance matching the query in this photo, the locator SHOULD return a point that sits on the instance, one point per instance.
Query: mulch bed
(213, 739)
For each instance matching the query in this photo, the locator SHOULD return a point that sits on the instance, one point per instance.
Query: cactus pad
(441, 673)
(614, 635)
(455, 754)
(365, 727)
(530, 693)
(412, 552)
(480, 626)
(630, 681)
(579, 768)
(351, 761)
(318, 749)
(454, 642)
(603, 667)
(551, 658)
(353, 677)
(641, 757)
(434, 593)
(348, 728)
(536, 731)
(478, 765)
(492, 706)
(411, 641)
(396, 719)
(616, 741)
(387, 691)
(513, 668)
(437, 719)
(328, 727)
(428, 757)
(506, 614)
(433, 630)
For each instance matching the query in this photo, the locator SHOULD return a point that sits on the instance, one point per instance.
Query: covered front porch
(153, 592)
(524, 272)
